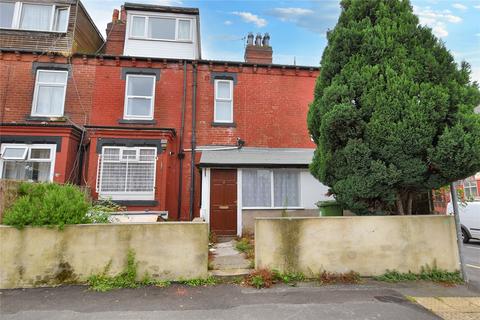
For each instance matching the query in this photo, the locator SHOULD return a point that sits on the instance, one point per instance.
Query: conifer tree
(392, 113)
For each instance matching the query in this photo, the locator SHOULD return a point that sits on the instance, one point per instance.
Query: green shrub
(48, 204)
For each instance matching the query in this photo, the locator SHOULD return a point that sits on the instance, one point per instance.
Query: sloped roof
(257, 157)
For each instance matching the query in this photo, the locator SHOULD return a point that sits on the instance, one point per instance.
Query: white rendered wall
(312, 190)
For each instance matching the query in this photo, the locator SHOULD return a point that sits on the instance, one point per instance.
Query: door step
(229, 273)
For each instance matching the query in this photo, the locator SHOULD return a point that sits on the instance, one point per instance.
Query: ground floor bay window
(127, 173)
(27, 162)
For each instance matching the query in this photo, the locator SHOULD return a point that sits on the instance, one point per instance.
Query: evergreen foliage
(392, 113)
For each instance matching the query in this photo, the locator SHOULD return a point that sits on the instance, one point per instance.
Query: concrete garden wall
(367, 245)
(43, 256)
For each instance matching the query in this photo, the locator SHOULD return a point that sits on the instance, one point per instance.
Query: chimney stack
(116, 32)
(260, 51)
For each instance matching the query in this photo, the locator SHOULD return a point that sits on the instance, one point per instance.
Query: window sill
(139, 203)
(224, 124)
(43, 119)
(33, 30)
(137, 121)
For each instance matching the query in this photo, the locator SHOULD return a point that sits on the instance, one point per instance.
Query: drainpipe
(194, 140)
(453, 191)
(181, 154)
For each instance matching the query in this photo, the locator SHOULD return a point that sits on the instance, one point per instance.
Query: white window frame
(17, 16)
(272, 191)
(27, 155)
(50, 84)
(216, 98)
(127, 96)
(470, 184)
(125, 195)
(145, 32)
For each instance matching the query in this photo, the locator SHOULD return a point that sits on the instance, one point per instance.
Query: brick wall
(270, 110)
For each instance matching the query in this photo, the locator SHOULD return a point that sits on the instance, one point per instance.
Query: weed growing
(262, 278)
(246, 246)
(126, 279)
(210, 281)
(288, 277)
(427, 274)
(339, 278)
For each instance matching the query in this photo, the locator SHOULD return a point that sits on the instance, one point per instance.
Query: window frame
(471, 184)
(272, 190)
(34, 112)
(145, 31)
(127, 96)
(27, 158)
(126, 195)
(18, 11)
(216, 98)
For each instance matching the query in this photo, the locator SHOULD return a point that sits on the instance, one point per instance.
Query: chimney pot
(258, 40)
(260, 52)
(115, 15)
(250, 39)
(266, 40)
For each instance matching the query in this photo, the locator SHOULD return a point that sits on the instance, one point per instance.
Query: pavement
(370, 300)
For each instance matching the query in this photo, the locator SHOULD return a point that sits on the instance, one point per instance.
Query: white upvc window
(470, 188)
(139, 97)
(161, 28)
(271, 188)
(49, 94)
(127, 173)
(34, 16)
(223, 106)
(27, 162)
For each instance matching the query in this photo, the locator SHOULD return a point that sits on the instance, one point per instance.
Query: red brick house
(144, 121)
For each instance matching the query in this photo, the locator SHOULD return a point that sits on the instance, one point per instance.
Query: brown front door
(223, 201)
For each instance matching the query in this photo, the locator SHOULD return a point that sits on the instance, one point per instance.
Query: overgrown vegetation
(288, 277)
(246, 246)
(262, 278)
(392, 114)
(427, 274)
(339, 278)
(52, 204)
(210, 281)
(126, 279)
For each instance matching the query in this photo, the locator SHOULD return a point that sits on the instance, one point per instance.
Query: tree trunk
(401, 210)
(409, 203)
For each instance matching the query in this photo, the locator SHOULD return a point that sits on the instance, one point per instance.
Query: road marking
(473, 266)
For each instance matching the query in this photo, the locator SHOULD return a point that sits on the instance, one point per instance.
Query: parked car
(469, 220)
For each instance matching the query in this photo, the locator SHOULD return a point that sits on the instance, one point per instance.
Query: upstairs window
(127, 173)
(7, 10)
(27, 162)
(36, 17)
(160, 28)
(223, 108)
(139, 97)
(49, 94)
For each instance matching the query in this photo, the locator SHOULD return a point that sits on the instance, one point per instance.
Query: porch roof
(257, 157)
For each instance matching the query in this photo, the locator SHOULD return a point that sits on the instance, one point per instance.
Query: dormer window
(34, 17)
(161, 28)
